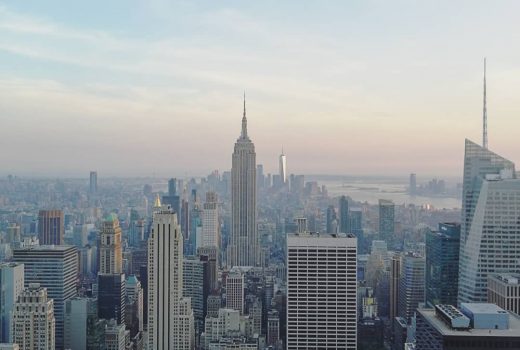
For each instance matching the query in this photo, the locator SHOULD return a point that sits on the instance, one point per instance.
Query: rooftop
(510, 279)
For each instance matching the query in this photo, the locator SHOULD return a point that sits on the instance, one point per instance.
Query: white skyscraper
(170, 317)
(33, 319)
(11, 286)
(490, 229)
(210, 222)
(321, 291)
(235, 291)
(243, 250)
(283, 167)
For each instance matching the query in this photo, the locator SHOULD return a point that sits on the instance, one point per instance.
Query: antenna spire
(244, 120)
(484, 113)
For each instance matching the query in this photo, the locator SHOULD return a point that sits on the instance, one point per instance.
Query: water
(371, 190)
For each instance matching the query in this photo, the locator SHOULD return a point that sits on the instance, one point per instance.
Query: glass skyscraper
(490, 228)
(442, 264)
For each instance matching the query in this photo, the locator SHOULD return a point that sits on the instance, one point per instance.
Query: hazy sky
(347, 87)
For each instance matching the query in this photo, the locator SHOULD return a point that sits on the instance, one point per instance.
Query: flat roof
(47, 247)
(444, 329)
(483, 308)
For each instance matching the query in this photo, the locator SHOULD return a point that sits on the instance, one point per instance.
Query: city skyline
(64, 71)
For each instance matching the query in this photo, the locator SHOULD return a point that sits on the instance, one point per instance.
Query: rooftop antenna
(484, 113)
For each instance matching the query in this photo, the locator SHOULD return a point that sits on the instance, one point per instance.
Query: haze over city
(146, 88)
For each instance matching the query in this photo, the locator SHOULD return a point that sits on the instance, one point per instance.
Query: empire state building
(244, 247)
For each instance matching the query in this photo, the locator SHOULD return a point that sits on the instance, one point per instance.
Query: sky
(155, 88)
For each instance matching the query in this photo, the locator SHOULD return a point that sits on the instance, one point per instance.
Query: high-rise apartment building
(386, 220)
(321, 291)
(344, 217)
(93, 183)
(33, 319)
(11, 286)
(54, 268)
(170, 317)
(244, 246)
(51, 227)
(490, 227)
(235, 297)
(110, 251)
(282, 167)
(442, 264)
(411, 286)
(210, 222)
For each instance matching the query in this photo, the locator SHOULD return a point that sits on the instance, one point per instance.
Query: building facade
(504, 290)
(386, 220)
(11, 286)
(411, 285)
(51, 227)
(110, 251)
(321, 291)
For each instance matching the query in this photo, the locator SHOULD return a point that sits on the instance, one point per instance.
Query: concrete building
(33, 319)
(170, 317)
(51, 227)
(11, 286)
(243, 249)
(115, 338)
(83, 330)
(210, 222)
(196, 287)
(235, 297)
(134, 306)
(321, 291)
(54, 268)
(490, 227)
(473, 326)
(504, 291)
(411, 285)
(110, 253)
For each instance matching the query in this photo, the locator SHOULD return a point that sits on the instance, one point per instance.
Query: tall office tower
(196, 287)
(282, 167)
(412, 190)
(442, 264)
(210, 222)
(170, 317)
(115, 338)
(344, 217)
(51, 227)
(321, 307)
(260, 178)
(172, 187)
(490, 229)
(110, 252)
(332, 221)
(244, 247)
(93, 183)
(14, 233)
(83, 329)
(395, 279)
(386, 220)
(11, 286)
(210, 254)
(33, 319)
(411, 286)
(475, 326)
(235, 292)
(134, 306)
(54, 268)
(504, 291)
(112, 296)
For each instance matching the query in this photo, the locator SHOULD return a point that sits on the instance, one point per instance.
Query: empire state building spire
(243, 135)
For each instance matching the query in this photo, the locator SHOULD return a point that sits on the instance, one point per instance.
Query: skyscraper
(210, 222)
(243, 250)
(386, 220)
(33, 319)
(83, 328)
(235, 297)
(93, 183)
(490, 229)
(411, 286)
(321, 291)
(110, 251)
(112, 296)
(283, 168)
(170, 317)
(51, 227)
(332, 220)
(54, 268)
(11, 286)
(395, 279)
(442, 264)
(344, 217)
